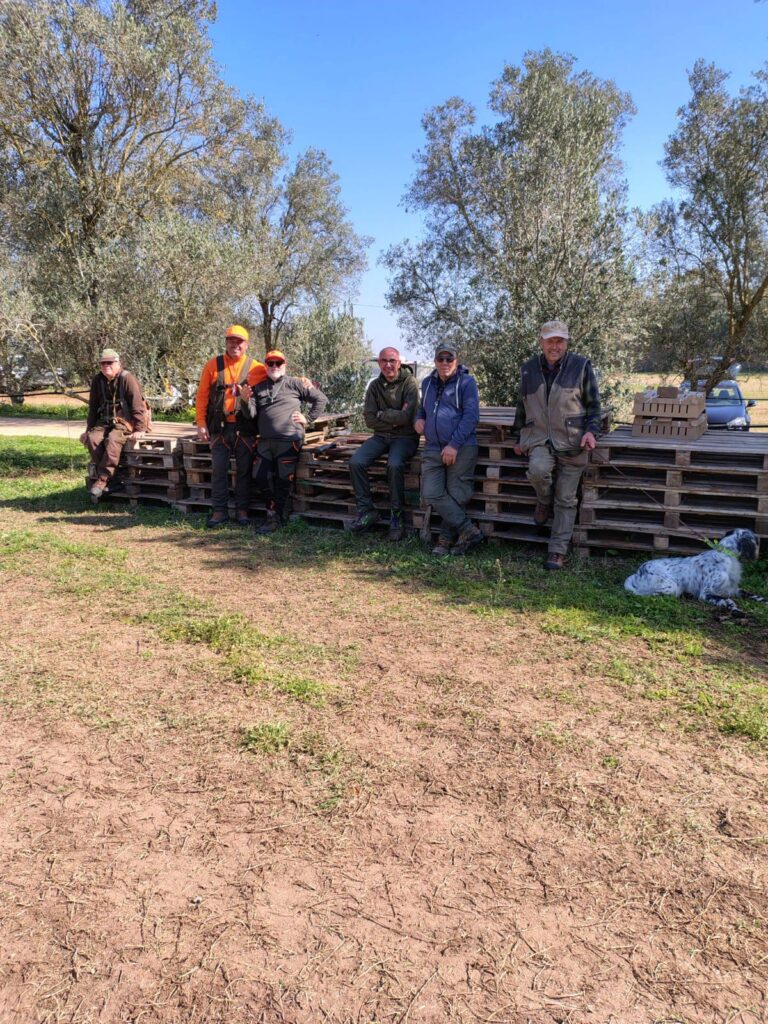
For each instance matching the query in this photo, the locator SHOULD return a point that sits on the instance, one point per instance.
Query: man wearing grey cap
(448, 418)
(117, 413)
(556, 424)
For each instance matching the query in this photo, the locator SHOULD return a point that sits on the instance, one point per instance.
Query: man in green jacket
(390, 408)
(557, 420)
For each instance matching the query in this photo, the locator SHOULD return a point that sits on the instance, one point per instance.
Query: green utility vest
(215, 415)
(560, 420)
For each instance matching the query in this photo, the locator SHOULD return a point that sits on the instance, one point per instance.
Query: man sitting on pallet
(275, 406)
(117, 413)
(556, 423)
(220, 407)
(391, 401)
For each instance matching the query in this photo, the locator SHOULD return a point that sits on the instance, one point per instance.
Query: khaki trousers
(555, 473)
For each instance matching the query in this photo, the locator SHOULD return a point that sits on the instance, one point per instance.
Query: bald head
(389, 363)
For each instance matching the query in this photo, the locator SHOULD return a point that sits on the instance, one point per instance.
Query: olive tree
(525, 221)
(112, 114)
(710, 248)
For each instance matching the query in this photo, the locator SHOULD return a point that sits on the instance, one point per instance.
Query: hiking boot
(554, 562)
(396, 527)
(470, 537)
(98, 487)
(216, 520)
(270, 524)
(242, 518)
(542, 512)
(365, 520)
(443, 548)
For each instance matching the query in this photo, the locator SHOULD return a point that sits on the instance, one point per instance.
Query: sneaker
(270, 524)
(364, 520)
(99, 487)
(554, 562)
(443, 548)
(470, 537)
(396, 527)
(242, 518)
(542, 512)
(216, 520)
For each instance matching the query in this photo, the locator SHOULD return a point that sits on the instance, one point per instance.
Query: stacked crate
(502, 502)
(666, 412)
(155, 470)
(198, 467)
(670, 495)
(151, 468)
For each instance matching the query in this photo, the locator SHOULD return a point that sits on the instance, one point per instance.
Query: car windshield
(724, 394)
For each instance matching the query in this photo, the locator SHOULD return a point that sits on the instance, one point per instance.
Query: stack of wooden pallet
(666, 412)
(198, 469)
(502, 503)
(666, 494)
(151, 468)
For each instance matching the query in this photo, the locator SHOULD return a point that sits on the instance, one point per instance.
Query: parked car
(727, 407)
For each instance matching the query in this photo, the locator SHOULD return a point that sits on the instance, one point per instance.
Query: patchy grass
(266, 738)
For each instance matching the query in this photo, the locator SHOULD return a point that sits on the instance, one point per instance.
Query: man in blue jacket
(448, 418)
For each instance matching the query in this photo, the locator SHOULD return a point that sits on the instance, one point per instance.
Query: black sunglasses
(444, 359)
(275, 362)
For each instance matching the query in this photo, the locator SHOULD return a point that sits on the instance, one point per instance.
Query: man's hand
(135, 434)
(245, 392)
(300, 418)
(419, 425)
(202, 434)
(83, 439)
(517, 450)
(589, 441)
(449, 454)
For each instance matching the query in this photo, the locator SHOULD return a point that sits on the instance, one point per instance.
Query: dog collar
(717, 546)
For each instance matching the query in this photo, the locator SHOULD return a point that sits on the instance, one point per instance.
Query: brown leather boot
(554, 562)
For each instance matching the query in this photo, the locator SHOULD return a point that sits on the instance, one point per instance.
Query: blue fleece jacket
(451, 409)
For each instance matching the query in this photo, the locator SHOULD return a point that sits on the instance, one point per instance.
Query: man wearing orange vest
(225, 386)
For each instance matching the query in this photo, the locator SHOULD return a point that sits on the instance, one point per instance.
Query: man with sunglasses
(274, 405)
(391, 401)
(556, 424)
(117, 413)
(448, 418)
(223, 394)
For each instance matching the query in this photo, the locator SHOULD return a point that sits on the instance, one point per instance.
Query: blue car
(727, 407)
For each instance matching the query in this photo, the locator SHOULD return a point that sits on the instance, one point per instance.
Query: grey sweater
(274, 402)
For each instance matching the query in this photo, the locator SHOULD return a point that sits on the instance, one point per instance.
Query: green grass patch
(79, 413)
(266, 738)
(33, 456)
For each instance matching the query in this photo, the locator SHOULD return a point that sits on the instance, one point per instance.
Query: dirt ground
(472, 825)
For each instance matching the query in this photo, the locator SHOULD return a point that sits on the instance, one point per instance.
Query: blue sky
(355, 78)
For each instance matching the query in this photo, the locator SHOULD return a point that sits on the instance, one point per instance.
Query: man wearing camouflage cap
(556, 425)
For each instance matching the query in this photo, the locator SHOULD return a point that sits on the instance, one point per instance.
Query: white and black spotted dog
(713, 576)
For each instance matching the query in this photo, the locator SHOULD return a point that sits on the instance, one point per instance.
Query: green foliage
(708, 272)
(330, 348)
(525, 221)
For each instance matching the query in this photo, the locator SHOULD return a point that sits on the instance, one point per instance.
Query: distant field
(754, 385)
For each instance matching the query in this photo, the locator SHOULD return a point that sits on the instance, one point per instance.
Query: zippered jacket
(118, 398)
(390, 408)
(451, 409)
(562, 417)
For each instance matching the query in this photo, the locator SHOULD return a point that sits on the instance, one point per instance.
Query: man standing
(117, 413)
(448, 418)
(391, 401)
(225, 385)
(556, 423)
(275, 406)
